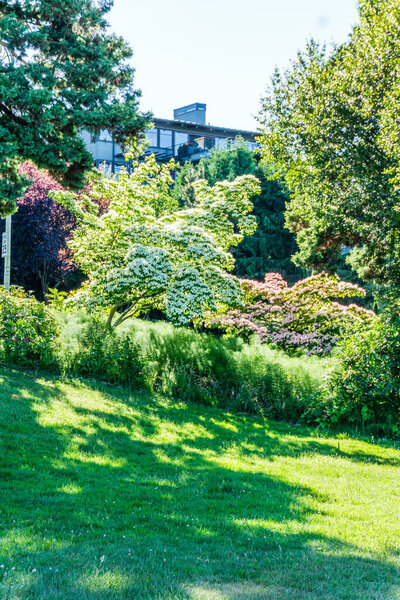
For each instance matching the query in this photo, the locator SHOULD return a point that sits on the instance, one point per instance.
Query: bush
(179, 362)
(365, 384)
(306, 317)
(110, 357)
(245, 378)
(28, 330)
(193, 367)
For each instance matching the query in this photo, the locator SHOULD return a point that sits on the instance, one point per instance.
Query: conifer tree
(61, 72)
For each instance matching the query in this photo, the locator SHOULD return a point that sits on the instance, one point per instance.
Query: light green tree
(178, 262)
(330, 128)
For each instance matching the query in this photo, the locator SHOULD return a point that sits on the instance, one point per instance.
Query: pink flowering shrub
(306, 317)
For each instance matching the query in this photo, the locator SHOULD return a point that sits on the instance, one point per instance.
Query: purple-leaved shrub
(306, 317)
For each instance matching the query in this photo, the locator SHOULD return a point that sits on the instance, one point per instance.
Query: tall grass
(192, 366)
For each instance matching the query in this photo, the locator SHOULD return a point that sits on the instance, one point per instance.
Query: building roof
(205, 129)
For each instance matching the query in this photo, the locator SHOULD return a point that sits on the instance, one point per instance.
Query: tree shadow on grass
(136, 498)
(266, 438)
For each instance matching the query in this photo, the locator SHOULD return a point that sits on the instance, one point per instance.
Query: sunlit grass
(111, 495)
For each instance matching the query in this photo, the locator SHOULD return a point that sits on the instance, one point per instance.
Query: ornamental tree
(60, 73)
(307, 316)
(41, 258)
(136, 260)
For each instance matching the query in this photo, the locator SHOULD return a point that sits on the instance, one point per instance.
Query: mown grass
(110, 495)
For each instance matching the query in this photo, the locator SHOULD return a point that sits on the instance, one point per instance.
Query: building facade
(185, 137)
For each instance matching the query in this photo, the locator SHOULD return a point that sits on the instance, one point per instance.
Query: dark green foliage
(271, 247)
(28, 330)
(60, 73)
(366, 381)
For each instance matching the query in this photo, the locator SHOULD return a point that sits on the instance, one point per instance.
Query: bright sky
(221, 52)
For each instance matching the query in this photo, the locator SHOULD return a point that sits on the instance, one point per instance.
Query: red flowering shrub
(305, 317)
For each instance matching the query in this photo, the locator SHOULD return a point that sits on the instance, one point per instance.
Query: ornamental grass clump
(190, 366)
(306, 317)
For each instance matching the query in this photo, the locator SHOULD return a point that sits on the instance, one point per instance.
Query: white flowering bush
(136, 260)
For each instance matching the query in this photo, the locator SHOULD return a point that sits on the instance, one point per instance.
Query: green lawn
(109, 495)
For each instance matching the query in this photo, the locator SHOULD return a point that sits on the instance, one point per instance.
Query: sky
(221, 52)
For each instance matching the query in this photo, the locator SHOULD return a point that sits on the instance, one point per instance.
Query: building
(185, 137)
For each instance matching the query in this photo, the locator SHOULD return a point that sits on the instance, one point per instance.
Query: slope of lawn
(111, 495)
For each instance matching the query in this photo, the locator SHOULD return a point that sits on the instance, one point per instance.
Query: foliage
(56, 299)
(183, 190)
(330, 128)
(270, 248)
(40, 229)
(136, 261)
(304, 317)
(190, 366)
(360, 387)
(111, 358)
(226, 164)
(28, 330)
(60, 73)
(366, 381)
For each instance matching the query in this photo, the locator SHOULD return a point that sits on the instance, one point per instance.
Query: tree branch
(9, 112)
(111, 316)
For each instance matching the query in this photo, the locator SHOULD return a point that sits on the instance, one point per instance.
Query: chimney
(192, 113)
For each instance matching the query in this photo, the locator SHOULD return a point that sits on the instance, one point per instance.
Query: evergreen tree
(271, 246)
(60, 73)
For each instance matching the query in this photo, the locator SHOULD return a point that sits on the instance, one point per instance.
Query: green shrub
(110, 357)
(178, 362)
(365, 384)
(273, 384)
(28, 330)
(226, 372)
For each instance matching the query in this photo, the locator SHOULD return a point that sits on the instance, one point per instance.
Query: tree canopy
(136, 260)
(270, 248)
(60, 72)
(330, 127)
